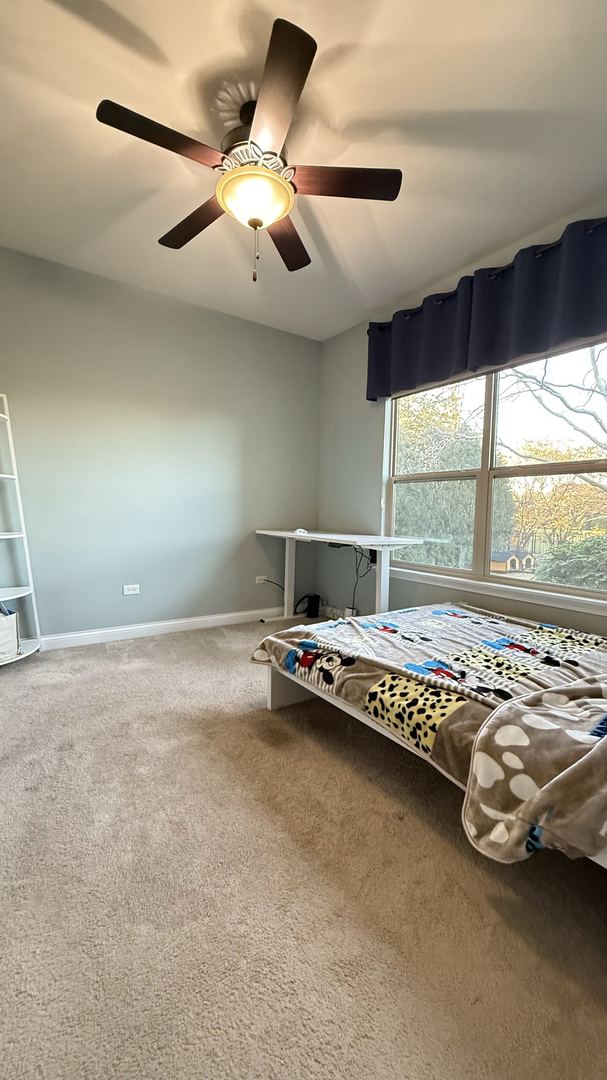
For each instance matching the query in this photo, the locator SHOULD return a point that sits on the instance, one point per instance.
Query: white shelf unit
(25, 591)
(15, 592)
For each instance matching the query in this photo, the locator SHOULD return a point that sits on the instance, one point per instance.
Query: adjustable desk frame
(382, 545)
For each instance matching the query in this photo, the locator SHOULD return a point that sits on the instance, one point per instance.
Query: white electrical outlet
(130, 590)
(260, 579)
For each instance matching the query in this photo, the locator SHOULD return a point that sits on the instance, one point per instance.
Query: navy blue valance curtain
(551, 297)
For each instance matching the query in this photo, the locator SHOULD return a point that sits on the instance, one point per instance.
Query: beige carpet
(195, 888)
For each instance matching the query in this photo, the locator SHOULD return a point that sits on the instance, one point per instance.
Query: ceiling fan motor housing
(241, 133)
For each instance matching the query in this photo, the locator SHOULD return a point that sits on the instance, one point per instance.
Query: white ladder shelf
(24, 591)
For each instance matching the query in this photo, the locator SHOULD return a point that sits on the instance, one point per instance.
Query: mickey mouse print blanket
(514, 712)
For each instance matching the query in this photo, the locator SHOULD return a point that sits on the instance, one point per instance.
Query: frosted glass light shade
(253, 193)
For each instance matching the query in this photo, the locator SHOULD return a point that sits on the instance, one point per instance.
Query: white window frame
(479, 578)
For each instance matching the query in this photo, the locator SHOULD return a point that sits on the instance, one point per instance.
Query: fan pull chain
(255, 224)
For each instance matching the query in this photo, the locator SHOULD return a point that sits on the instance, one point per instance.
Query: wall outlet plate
(260, 579)
(130, 590)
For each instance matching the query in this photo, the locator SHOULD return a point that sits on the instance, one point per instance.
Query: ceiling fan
(255, 184)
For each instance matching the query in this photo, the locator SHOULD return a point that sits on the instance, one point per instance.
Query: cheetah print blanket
(434, 677)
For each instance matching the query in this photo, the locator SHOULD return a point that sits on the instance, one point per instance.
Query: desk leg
(289, 577)
(382, 580)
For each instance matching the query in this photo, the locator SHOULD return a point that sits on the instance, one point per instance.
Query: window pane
(551, 529)
(440, 429)
(554, 410)
(442, 510)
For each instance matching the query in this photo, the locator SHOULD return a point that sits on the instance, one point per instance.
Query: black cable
(359, 556)
(269, 581)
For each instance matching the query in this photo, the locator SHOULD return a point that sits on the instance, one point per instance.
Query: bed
(513, 712)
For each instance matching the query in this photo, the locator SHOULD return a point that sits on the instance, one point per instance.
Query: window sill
(541, 597)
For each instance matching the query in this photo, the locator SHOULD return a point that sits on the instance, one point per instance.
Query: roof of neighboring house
(503, 556)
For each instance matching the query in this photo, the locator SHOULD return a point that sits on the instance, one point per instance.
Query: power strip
(339, 613)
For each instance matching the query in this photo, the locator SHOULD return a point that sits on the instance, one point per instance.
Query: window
(505, 476)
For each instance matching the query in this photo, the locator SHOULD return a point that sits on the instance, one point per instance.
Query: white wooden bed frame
(285, 689)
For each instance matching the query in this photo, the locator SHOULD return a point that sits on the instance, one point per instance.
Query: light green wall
(350, 492)
(152, 438)
(351, 438)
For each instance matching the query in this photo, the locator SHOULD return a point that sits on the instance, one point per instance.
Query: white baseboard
(150, 629)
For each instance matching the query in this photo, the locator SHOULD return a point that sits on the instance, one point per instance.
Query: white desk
(381, 544)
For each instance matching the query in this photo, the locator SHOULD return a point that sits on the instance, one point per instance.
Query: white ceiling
(494, 111)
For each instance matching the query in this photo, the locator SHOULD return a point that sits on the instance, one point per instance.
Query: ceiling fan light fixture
(254, 193)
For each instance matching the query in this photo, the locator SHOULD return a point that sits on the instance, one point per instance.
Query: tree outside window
(529, 502)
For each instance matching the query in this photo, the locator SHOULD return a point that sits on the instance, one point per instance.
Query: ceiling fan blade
(289, 244)
(347, 183)
(193, 224)
(290, 55)
(117, 116)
